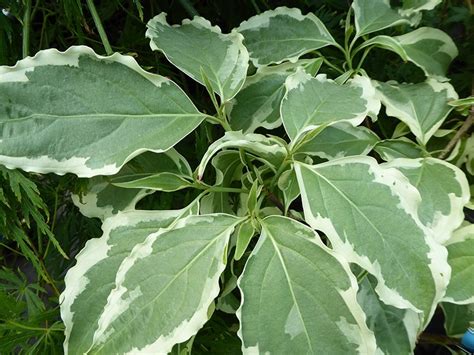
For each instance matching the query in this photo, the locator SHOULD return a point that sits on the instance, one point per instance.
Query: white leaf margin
(70, 57)
(409, 198)
(284, 69)
(442, 226)
(263, 20)
(428, 5)
(413, 124)
(187, 328)
(233, 139)
(94, 251)
(356, 8)
(349, 296)
(88, 204)
(427, 33)
(202, 23)
(297, 80)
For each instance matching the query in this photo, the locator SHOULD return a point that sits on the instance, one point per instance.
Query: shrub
(320, 236)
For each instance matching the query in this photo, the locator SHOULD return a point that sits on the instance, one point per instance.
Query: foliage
(324, 212)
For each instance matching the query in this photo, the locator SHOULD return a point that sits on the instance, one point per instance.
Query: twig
(437, 339)
(274, 199)
(463, 130)
(280, 205)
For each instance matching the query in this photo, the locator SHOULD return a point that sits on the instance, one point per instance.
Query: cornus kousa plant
(322, 236)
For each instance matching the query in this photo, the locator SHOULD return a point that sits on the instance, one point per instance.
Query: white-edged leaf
(340, 140)
(423, 106)
(98, 264)
(258, 103)
(388, 43)
(444, 191)
(457, 318)
(81, 113)
(349, 200)
(395, 329)
(375, 15)
(298, 297)
(390, 149)
(461, 259)
(102, 199)
(283, 34)
(310, 103)
(267, 148)
(411, 7)
(143, 287)
(428, 48)
(196, 46)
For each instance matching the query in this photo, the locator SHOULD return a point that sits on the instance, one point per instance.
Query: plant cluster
(304, 218)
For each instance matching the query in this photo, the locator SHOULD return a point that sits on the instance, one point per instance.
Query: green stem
(347, 35)
(226, 126)
(18, 325)
(100, 28)
(11, 249)
(254, 4)
(329, 64)
(225, 189)
(223, 116)
(220, 121)
(190, 9)
(364, 55)
(26, 29)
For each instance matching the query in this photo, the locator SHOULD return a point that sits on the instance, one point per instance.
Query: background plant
(208, 130)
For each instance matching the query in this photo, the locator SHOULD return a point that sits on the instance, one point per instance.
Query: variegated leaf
(196, 46)
(375, 15)
(298, 297)
(81, 113)
(410, 7)
(349, 200)
(423, 106)
(390, 149)
(102, 199)
(258, 103)
(428, 48)
(311, 103)
(98, 263)
(340, 140)
(269, 149)
(444, 191)
(283, 34)
(461, 259)
(146, 284)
